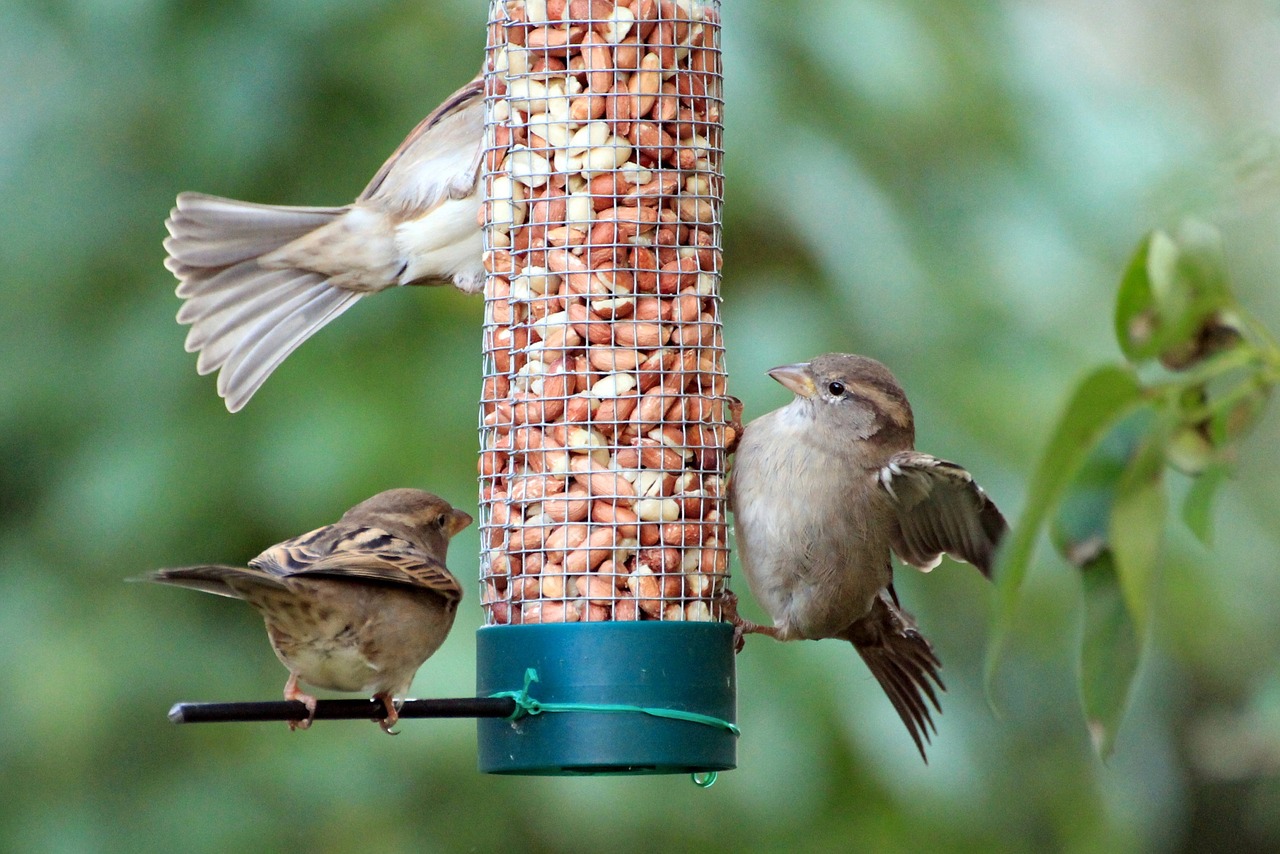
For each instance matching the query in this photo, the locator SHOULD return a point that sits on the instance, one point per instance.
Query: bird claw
(729, 608)
(741, 627)
(293, 692)
(733, 430)
(393, 714)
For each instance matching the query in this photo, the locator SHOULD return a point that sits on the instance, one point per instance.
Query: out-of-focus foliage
(952, 188)
(1103, 472)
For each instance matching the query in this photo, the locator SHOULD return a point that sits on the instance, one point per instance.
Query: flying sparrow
(358, 605)
(259, 280)
(822, 491)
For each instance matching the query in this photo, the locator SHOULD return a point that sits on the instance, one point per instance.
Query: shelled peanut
(603, 410)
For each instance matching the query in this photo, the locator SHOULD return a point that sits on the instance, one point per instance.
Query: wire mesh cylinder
(603, 414)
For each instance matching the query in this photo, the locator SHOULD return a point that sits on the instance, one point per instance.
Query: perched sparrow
(259, 280)
(358, 605)
(822, 490)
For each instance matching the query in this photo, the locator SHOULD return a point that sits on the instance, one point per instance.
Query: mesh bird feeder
(603, 415)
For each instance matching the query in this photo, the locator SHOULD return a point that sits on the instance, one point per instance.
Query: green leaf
(1109, 653)
(1202, 263)
(1102, 399)
(1080, 528)
(1197, 507)
(1135, 315)
(1190, 451)
(1137, 525)
(1172, 290)
(1236, 413)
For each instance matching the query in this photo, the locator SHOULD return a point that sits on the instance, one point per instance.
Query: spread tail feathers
(245, 318)
(903, 663)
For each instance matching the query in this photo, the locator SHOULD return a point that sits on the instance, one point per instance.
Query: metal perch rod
(292, 710)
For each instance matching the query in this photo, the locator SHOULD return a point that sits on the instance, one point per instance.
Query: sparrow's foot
(742, 627)
(293, 692)
(393, 714)
(733, 430)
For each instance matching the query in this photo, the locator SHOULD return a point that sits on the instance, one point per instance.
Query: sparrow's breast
(811, 563)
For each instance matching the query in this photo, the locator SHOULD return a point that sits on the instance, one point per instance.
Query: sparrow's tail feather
(208, 233)
(220, 319)
(212, 578)
(246, 318)
(904, 664)
(277, 335)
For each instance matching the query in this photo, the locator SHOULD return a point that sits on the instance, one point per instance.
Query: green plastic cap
(610, 698)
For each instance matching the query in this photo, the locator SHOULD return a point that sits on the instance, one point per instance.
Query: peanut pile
(603, 423)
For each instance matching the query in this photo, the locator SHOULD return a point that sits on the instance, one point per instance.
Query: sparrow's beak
(796, 377)
(458, 520)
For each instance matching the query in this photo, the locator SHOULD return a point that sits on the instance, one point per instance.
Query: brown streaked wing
(938, 508)
(296, 554)
(341, 551)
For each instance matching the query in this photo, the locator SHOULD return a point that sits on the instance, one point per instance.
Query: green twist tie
(526, 705)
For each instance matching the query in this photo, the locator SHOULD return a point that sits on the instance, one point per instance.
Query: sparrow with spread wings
(822, 491)
(259, 280)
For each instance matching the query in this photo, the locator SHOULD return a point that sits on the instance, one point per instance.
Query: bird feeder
(603, 418)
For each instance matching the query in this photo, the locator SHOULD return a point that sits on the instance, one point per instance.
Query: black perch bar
(345, 710)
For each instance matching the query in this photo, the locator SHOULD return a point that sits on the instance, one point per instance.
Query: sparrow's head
(418, 516)
(851, 393)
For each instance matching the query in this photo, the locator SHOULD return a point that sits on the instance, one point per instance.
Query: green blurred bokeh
(952, 188)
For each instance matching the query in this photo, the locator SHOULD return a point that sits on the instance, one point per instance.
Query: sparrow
(258, 280)
(822, 491)
(358, 605)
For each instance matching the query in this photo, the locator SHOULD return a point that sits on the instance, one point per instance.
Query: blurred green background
(952, 188)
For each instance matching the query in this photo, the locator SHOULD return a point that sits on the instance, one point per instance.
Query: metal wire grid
(602, 417)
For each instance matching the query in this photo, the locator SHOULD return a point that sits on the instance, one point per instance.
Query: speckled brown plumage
(358, 605)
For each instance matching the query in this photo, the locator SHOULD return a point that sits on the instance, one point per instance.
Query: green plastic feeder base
(656, 666)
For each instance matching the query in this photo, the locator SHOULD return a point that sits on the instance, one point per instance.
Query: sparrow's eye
(836, 389)
(441, 521)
